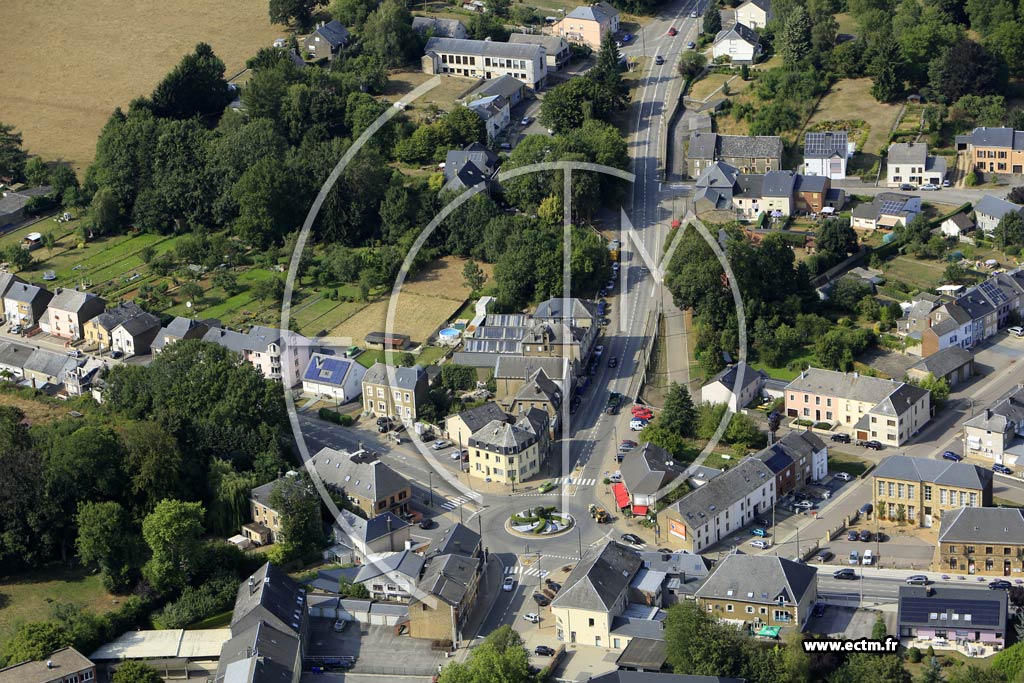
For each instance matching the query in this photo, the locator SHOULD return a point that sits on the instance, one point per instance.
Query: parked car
(865, 536)
(945, 183)
(526, 121)
(803, 505)
(917, 580)
(872, 444)
(553, 585)
(929, 187)
(844, 573)
(116, 354)
(1001, 469)
(532, 617)
(852, 535)
(868, 558)
(441, 445)
(628, 37)
(758, 531)
(642, 413)
(691, 45)
(819, 610)
(843, 476)
(541, 599)
(339, 626)
(672, 31)
(693, 14)
(627, 442)
(1000, 584)
(950, 455)
(759, 543)
(544, 651)
(547, 486)
(854, 557)
(825, 556)
(659, 60)
(839, 437)
(613, 362)
(456, 455)
(426, 523)
(632, 539)
(615, 477)
(1017, 331)
(637, 425)
(75, 353)
(907, 187)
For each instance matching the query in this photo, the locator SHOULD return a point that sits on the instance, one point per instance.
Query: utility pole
(430, 477)
(579, 536)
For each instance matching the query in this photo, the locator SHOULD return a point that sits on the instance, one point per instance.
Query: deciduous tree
(173, 532)
(106, 540)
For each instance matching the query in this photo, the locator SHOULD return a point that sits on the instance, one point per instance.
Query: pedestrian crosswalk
(573, 481)
(520, 570)
(455, 503)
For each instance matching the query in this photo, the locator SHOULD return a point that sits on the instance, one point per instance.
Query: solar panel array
(822, 144)
(891, 206)
(978, 613)
(996, 295)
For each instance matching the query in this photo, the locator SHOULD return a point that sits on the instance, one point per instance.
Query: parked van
(637, 425)
(868, 558)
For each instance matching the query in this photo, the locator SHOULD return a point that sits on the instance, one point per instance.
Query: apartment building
(981, 540)
(394, 392)
(726, 503)
(760, 590)
(919, 490)
(509, 453)
(994, 150)
(588, 24)
(368, 484)
(797, 459)
(746, 153)
(486, 59)
(995, 432)
(555, 47)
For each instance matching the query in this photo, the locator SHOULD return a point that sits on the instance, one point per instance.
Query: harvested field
(89, 56)
(36, 412)
(851, 99)
(443, 278)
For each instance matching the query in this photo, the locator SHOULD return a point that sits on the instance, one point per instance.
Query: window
(728, 608)
(988, 550)
(590, 622)
(892, 488)
(942, 496)
(969, 550)
(911, 490)
(952, 548)
(899, 490)
(881, 488)
(750, 610)
(807, 412)
(974, 500)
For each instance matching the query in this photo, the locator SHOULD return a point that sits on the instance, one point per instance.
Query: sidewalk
(489, 592)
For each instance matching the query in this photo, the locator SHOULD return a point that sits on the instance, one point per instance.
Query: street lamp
(430, 478)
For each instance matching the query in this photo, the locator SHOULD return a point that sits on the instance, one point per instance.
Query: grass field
(65, 71)
(841, 462)
(32, 596)
(443, 97)
(852, 97)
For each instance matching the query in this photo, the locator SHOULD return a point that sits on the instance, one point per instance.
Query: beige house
(869, 408)
(539, 393)
(760, 590)
(362, 482)
(98, 330)
(919, 490)
(69, 310)
(555, 47)
(908, 162)
(594, 596)
(511, 372)
(460, 427)
(448, 587)
(400, 401)
(509, 453)
(588, 24)
(981, 540)
(991, 433)
(994, 150)
(266, 521)
(754, 13)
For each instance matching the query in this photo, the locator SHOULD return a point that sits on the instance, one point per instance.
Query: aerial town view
(494, 341)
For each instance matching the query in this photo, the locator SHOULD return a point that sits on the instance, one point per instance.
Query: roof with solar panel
(825, 144)
(954, 608)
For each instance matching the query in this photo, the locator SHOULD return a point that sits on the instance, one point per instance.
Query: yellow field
(66, 67)
(427, 301)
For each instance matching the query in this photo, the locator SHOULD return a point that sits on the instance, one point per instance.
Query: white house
(486, 59)
(958, 225)
(134, 337)
(908, 162)
(990, 210)
(755, 13)
(722, 388)
(826, 153)
(333, 377)
(494, 111)
(886, 210)
(739, 43)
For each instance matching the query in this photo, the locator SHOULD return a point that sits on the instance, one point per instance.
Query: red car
(643, 413)
(672, 31)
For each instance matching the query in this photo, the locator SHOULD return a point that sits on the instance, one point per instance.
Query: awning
(639, 509)
(621, 495)
(769, 631)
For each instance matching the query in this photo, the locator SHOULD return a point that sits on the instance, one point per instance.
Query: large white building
(486, 59)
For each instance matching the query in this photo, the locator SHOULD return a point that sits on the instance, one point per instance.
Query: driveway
(375, 649)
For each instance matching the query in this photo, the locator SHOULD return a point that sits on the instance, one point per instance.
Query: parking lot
(375, 648)
(846, 622)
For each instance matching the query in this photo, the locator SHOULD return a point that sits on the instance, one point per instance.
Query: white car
(759, 543)
(929, 187)
(843, 476)
(455, 455)
(441, 445)
(1018, 331)
(804, 505)
(637, 425)
(532, 617)
(526, 121)
(508, 584)
(693, 14)
(615, 478)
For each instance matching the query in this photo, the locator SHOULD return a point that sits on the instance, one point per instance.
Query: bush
(823, 425)
(197, 603)
(803, 423)
(913, 655)
(337, 418)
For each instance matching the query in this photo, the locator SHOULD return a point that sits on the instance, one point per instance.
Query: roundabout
(544, 521)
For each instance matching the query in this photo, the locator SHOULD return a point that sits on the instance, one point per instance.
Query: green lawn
(793, 369)
(720, 460)
(916, 272)
(32, 596)
(841, 462)
(222, 620)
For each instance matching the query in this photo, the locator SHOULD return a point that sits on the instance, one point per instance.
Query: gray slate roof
(358, 474)
(997, 137)
(114, 316)
(269, 595)
(506, 86)
(703, 504)
(995, 208)
(26, 293)
(334, 33)
(448, 577)
(6, 280)
(900, 401)
(778, 184)
(444, 28)
(567, 310)
(843, 384)
(539, 388)
(958, 474)
(49, 363)
(140, 324)
(715, 146)
(508, 366)
(982, 526)
(598, 581)
(759, 579)
(552, 44)
(480, 416)
(259, 654)
(14, 354)
(501, 437)
(740, 32)
(382, 525)
(943, 362)
(458, 539)
(600, 11)
(642, 677)
(908, 153)
(405, 378)
(71, 300)
(645, 472)
(729, 375)
(405, 562)
(1004, 415)
(485, 48)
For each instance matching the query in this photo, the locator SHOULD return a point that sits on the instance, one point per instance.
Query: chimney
(252, 585)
